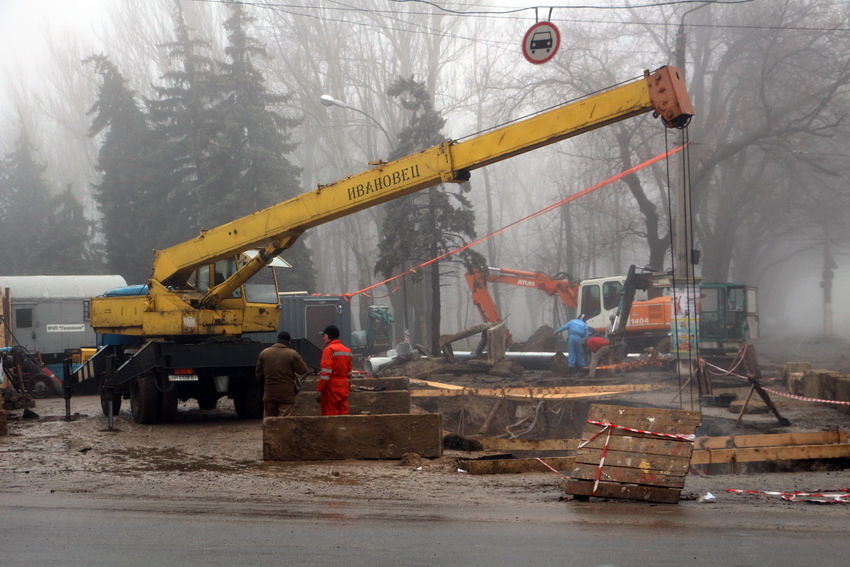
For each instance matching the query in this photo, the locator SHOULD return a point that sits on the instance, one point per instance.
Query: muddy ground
(212, 454)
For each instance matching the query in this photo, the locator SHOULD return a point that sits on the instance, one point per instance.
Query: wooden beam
(493, 444)
(626, 491)
(512, 466)
(756, 454)
(657, 464)
(625, 475)
(520, 394)
(775, 440)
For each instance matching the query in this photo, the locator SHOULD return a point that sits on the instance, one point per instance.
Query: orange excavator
(648, 321)
(477, 279)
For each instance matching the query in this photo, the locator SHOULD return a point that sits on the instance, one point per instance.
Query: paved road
(50, 529)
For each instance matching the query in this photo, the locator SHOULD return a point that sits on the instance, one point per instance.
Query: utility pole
(685, 289)
(826, 283)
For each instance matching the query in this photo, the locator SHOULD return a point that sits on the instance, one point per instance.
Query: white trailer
(49, 314)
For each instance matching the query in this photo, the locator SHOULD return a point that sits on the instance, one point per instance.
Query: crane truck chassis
(184, 334)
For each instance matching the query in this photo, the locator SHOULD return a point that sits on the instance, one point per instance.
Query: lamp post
(680, 39)
(328, 100)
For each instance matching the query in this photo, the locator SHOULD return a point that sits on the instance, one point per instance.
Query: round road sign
(541, 42)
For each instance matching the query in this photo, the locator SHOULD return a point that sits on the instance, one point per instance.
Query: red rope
(542, 211)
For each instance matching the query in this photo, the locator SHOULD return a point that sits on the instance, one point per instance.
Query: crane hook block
(670, 97)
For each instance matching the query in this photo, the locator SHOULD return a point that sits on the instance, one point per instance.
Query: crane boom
(173, 308)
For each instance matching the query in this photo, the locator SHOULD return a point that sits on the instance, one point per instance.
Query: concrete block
(812, 382)
(827, 385)
(352, 437)
(794, 367)
(842, 392)
(359, 403)
(795, 383)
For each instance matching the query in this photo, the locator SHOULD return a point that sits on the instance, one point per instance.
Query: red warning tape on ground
(839, 496)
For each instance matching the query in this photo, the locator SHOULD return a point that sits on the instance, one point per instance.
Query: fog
(766, 165)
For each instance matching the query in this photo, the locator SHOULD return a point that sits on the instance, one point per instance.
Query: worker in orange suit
(334, 375)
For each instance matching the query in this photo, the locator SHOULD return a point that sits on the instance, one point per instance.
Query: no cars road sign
(541, 42)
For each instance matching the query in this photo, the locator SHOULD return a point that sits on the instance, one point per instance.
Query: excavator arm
(481, 298)
(172, 307)
(477, 280)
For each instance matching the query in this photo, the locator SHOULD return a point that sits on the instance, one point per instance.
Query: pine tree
(40, 234)
(184, 124)
(246, 169)
(131, 182)
(423, 226)
(69, 238)
(25, 212)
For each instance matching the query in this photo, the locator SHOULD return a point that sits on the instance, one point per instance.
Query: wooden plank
(656, 420)
(657, 463)
(667, 479)
(756, 454)
(511, 466)
(523, 394)
(494, 444)
(658, 494)
(646, 444)
(775, 440)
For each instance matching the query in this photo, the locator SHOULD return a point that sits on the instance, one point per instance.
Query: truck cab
(649, 319)
(728, 317)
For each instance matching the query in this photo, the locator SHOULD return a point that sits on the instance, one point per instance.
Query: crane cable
(691, 296)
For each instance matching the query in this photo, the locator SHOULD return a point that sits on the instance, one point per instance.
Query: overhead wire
(289, 7)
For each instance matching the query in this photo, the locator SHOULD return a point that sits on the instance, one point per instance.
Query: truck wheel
(41, 386)
(249, 403)
(168, 405)
(144, 399)
(104, 403)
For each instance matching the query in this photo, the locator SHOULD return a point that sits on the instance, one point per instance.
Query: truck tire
(144, 399)
(104, 403)
(249, 403)
(167, 410)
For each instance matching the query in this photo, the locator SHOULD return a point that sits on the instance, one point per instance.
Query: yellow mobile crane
(180, 331)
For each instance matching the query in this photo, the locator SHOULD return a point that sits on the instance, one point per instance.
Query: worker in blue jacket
(577, 331)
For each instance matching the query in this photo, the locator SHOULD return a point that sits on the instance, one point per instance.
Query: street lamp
(328, 100)
(680, 39)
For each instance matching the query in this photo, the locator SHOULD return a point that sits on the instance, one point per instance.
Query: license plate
(182, 377)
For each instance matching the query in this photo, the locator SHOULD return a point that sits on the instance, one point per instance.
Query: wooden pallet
(649, 464)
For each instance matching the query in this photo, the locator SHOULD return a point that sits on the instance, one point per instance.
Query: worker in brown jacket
(279, 368)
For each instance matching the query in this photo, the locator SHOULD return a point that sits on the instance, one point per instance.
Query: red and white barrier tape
(554, 470)
(777, 392)
(840, 496)
(677, 436)
(602, 461)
